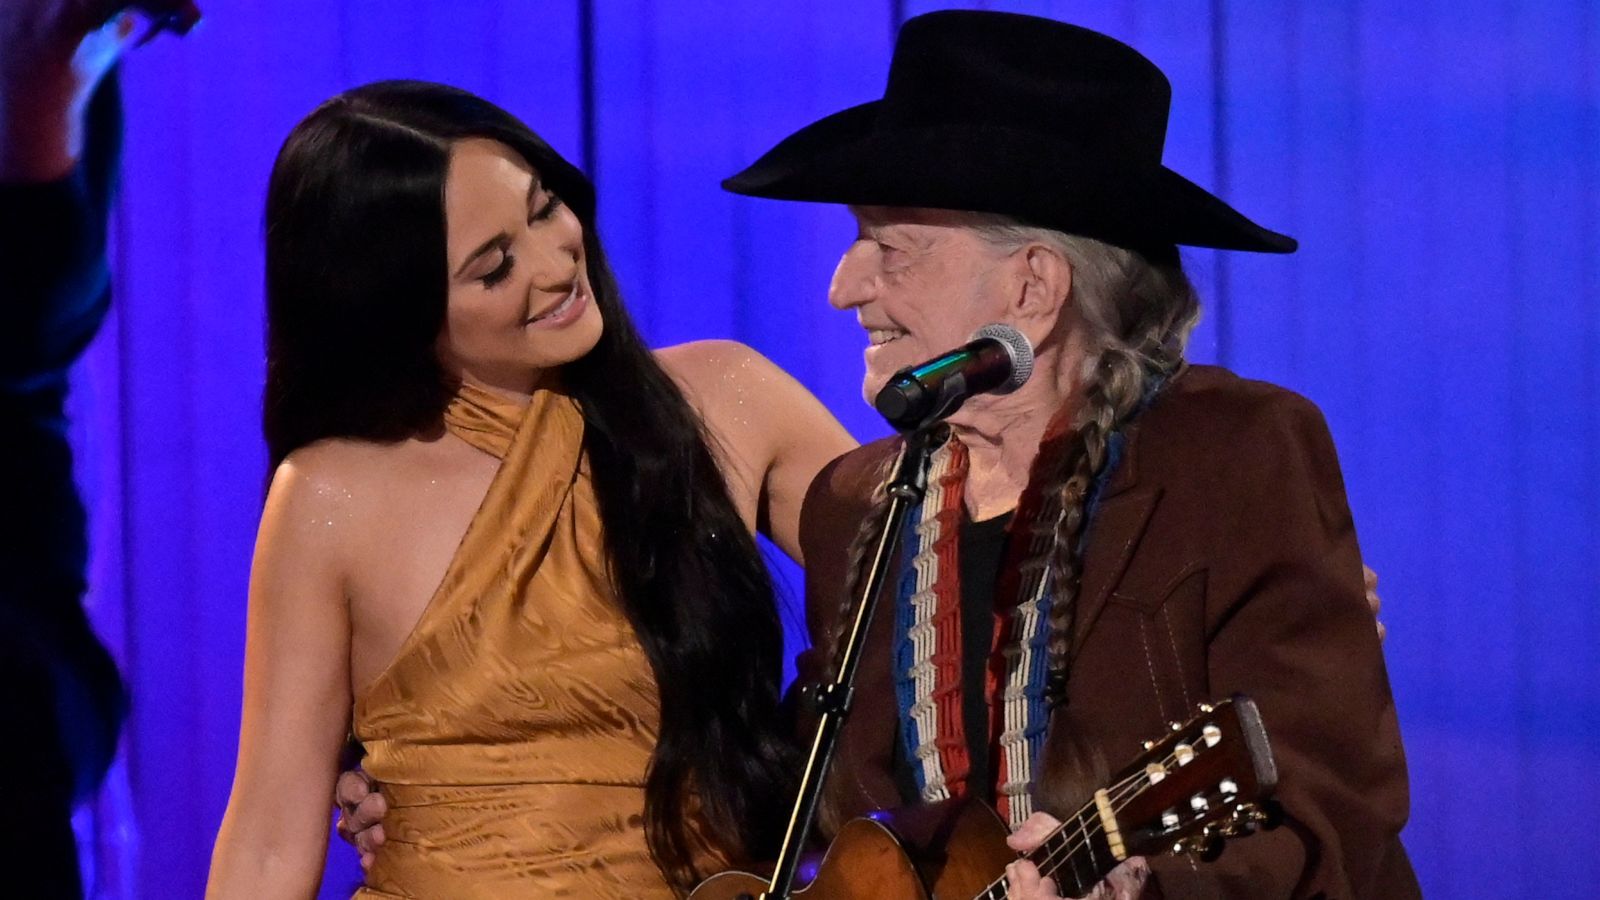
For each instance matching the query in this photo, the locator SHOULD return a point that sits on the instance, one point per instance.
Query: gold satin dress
(512, 731)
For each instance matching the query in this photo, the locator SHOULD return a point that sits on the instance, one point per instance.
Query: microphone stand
(905, 489)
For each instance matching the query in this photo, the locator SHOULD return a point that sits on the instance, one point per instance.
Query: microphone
(999, 360)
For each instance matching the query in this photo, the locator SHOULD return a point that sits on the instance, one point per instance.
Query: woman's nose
(558, 248)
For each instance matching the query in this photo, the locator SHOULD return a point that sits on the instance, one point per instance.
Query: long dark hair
(356, 288)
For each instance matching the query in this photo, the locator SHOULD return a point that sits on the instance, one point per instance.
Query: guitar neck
(1076, 856)
(1200, 783)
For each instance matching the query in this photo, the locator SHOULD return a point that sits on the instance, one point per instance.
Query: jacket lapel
(1114, 534)
(1118, 526)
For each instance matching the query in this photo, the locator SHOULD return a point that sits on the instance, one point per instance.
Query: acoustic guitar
(1208, 779)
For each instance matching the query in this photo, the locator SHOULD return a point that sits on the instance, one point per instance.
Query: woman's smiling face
(519, 299)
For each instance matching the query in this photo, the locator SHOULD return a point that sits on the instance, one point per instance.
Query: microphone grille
(1017, 347)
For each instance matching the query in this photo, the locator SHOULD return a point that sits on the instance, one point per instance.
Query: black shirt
(982, 551)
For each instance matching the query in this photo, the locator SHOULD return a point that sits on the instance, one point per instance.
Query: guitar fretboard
(1200, 783)
(1077, 856)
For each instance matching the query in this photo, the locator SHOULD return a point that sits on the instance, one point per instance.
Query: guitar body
(975, 854)
(958, 849)
(865, 862)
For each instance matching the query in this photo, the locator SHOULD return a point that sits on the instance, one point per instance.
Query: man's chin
(872, 384)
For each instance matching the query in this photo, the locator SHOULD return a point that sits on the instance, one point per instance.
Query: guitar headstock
(1207, 779)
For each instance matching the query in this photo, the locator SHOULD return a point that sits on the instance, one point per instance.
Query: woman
(504, 543)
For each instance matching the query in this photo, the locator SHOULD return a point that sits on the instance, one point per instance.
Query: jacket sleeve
(54, 293)
(1287, 624)
(54, 283)
(823, 509)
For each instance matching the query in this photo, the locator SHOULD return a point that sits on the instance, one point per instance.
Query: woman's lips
(566, 311)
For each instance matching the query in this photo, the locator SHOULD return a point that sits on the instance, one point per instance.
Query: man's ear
(1046, 284)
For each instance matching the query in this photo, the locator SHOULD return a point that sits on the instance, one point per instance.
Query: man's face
(921, 281)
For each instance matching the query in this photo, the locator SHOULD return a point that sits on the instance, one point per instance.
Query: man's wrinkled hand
(1374, 602)
(361, 812)
(1025, 882)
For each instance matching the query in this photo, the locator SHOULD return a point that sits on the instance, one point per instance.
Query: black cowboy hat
(1053, 124)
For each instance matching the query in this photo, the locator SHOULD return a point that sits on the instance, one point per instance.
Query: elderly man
(1190, 526)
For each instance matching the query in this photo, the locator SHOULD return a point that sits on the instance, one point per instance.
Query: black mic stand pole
(905, 489)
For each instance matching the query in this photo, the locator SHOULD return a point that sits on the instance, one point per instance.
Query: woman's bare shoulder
(733, 388)
(723, 377)
(335, 466)
(780, 433)
(711, 367)
(336, 483)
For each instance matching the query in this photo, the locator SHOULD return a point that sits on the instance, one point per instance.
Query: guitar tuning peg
(1147, 745)
(1207, 708)
(1211, 845)
(1175, 726)
(1237, 828)
(1267, 816)
(1240, 824)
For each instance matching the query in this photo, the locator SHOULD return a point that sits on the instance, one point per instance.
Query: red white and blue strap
(1019, 660)
(927, 645)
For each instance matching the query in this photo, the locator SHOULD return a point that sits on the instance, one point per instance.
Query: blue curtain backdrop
(1440, 162)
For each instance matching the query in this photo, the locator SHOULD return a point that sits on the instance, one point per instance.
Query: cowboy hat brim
(847, 158)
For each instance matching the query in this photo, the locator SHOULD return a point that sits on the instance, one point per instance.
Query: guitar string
(1118, 803)
(1081, 835)
(1050, 860)
(1122, 791)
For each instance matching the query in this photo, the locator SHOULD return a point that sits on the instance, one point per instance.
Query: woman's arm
(775, 435)
(296, 696)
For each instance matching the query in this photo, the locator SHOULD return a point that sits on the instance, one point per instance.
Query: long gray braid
(1138, 314)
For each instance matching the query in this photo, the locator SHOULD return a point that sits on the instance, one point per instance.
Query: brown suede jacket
(1223, 559)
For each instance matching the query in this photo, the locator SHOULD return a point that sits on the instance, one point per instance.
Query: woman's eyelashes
(551, 204)
(499, 273)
